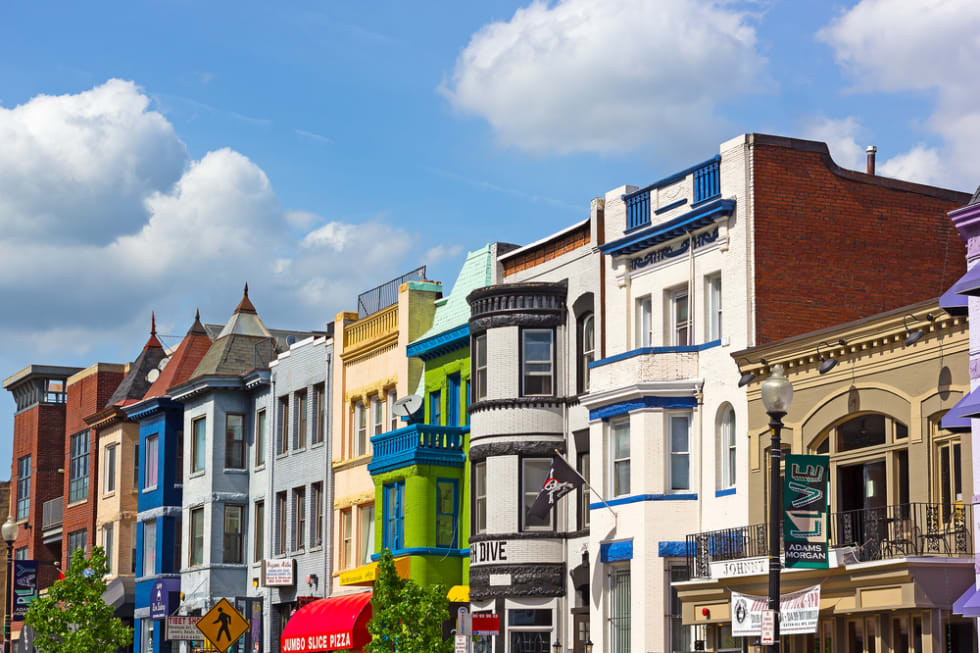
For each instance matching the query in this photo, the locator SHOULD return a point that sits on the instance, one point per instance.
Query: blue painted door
(452, 400)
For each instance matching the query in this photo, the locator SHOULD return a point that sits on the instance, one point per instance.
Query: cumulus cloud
(439, 253)
(923, 46)
(579, 75)
(840, 135)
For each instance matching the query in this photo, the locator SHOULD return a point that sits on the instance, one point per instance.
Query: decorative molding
(522, 402)
(626, 407)
(672, 251)
(703, 216)
(537, 579)
(379, 388)
(439, 344)
(480, 452)
(727, 492)
(354, 500)
(677, 349)
(517, 304)
(637, 498)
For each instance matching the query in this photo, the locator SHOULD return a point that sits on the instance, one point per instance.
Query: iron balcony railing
(889, 532)
(418, 444)
(372, 301)
(707, 185)
(51, 512)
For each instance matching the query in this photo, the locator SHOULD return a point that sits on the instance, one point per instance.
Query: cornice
(684, 388)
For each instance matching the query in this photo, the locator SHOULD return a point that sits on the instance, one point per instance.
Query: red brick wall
(547, 251)
(833, 246)
(85, 397)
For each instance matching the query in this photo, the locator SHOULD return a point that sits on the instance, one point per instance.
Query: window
(529, 631)
(78, 468)
(152, 463)
(446, 513)
(199, 444)
(197, 537)
(469, 400)
(346, 537)
(316, 499)
(302, 421)
(21, 553)
(620, 610)
(136, 466)
(299, 519)
(586, 349)
(365, 535)
(534, 472)
(76, 540)
(435, 407)
(149, 547)
(726, 446)
(679, 323)
(280, 544)
(233, 551)
(234, 441)
(712, 297)
(282, 433)
(680, 456)
(261, 429)
(258, 547)
(392, 417)
(620, 436)
(107, 545)
(480, 368)
(394, 512)
(644, 322)
(109, 470)
(319, 414)
(480, 498)
(859, 432)
(360, 424)
(583, 493)
(132, 549)
(378, 416)
(950, 477)
(179, 459)
(23, 487)
(680, 635)
(537, 347)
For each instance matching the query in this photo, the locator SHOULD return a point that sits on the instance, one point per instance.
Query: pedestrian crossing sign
(222, 625)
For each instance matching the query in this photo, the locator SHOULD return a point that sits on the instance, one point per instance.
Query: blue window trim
(614, 551)
(636, 241)
(725, 493)
(435, 407)
(440, 343)
(674, 549)
(398, 517)
(426, 551)
(677, 176)
(637, 498)
(454, 514)
(653, 401)
(676, 349)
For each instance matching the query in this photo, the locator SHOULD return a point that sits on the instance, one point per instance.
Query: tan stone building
(901, 546)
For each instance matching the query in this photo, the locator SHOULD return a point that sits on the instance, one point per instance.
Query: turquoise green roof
(453, 310)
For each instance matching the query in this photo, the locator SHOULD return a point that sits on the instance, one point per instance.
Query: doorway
(862, 505)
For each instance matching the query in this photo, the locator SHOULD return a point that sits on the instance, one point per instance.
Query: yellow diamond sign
(222, 625)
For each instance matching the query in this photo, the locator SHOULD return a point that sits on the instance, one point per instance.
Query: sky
(155, 156)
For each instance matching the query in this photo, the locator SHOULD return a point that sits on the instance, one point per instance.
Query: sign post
(222, 625)
(805, 517)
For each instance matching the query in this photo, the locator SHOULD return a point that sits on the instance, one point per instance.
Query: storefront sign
(488, 552)
(325, 642)
(806, 521)
(279, 573)
(735, 568)
(163, 595)
(798, 613)
(182, 628)
(485, 623)
(25, 587)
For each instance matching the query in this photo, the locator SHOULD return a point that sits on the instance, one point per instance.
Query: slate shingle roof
(184, 361)
(135, 384)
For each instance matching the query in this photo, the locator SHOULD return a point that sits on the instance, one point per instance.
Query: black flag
(561, 480)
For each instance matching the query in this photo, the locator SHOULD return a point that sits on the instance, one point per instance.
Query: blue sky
(154, 156)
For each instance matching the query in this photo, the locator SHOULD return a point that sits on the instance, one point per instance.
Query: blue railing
(419, 444)
(707, 183)
(637, 210)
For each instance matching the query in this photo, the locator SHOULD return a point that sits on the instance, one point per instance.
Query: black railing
(371, 301)
(906, 530)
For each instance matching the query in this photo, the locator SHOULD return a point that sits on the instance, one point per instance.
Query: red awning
(334, 624)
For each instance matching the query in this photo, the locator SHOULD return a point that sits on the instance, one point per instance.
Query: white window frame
(551, 363)
(673, 302)
(727, 446)
(671, 453)
(109, 469)
(149, 569)
(479, 383)
(361, 439)
(377, 416)
(644, 321)
(479, 500)
(615, 462)
(392, 397)
(365, 532)
(155, 439)
(588, 349)
(713, 307)
(107, 545)
(531, 491)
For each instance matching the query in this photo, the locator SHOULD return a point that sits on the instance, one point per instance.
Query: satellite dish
(153, 375)
(407, 407)
(163, 363)
(290, 340)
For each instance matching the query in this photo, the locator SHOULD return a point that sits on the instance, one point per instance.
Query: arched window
(727, 446)
(586, 349)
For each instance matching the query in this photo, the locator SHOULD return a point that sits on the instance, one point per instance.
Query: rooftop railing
(372, 301)
(889, 532)
(707, 185)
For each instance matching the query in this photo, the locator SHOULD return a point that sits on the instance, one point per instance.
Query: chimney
(871, 150)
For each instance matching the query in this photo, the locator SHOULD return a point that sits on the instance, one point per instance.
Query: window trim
(673, 297)
(714, 314)
(479, 389)
(476, 528)
(155, 438)
(671, 416)
(261, 432)
(201, 448)
(398, 517)
(524, 491)
(727, 446)
(109, 475)
(242, 529)
(551, 375)
(198, 510)
(299, 519)
(644, 321)
(258, 530)
(613, 425)
(586, 352)
(454, 515)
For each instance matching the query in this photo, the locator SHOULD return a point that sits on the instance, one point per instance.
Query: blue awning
(969, 283)
(702, 216)
(968, 605)
(958, 417)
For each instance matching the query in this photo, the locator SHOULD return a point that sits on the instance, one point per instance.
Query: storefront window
(530, 631)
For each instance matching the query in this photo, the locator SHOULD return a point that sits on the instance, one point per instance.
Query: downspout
(329, 491)
(699, 396)
(270, 500)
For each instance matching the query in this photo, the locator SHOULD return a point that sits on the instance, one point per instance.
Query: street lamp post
(777, 395)
(9, 533)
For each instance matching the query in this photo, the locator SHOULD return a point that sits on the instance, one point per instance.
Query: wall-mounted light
(556, 647)
(313, 580)
(747, 376)
(705, 612)
(827, 364)
(912, 337)
(588, 645)
(255, 582)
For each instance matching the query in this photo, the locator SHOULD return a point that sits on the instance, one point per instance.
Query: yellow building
(900, 528)
(373, 371)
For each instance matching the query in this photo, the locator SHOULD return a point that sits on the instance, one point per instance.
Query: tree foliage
(406, 617)
(72, 617)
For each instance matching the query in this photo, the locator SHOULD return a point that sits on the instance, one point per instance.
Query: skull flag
(561, 480)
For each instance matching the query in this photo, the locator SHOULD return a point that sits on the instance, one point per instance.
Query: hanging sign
(805, 516)
(25, 587)
(798, 613)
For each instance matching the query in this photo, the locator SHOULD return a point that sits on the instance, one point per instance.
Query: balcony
(418, 444)
(51, 511)
(886, 533)
(706, 181)
(646, 365)
(371, 330)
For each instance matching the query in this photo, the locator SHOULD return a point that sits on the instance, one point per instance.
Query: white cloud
(925, 46)
(579, 75)
(439, 253)
(841, 136)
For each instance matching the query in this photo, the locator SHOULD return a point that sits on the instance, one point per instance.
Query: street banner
(25, 587)
(805, 516)
(798, 613)
(561, 480)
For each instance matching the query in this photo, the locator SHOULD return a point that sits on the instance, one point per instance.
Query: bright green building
(420, 471)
